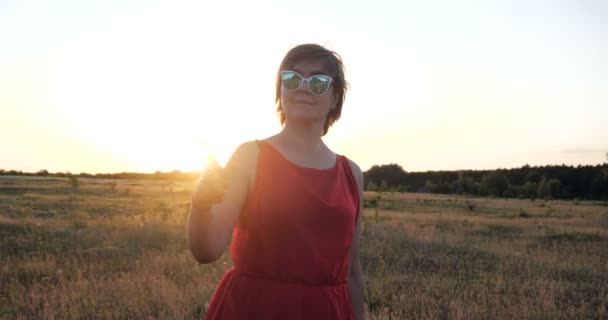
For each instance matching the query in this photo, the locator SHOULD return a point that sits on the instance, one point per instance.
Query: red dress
(290, 246)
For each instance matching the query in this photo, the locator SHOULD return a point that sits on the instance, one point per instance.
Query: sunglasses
(317, 84)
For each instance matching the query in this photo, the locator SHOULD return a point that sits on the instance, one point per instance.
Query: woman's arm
(210, 228)
(355, 272)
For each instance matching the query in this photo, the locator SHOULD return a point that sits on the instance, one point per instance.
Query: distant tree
(512, 191)
(554, 186)
(599, 187)
(371, 186)
(518, 176)
(495, 183)
(464, 184)
(543, 190)
(533, 176)
(443, 188)
(393, 174)
(429, 186)
(42, 173)
(383, 186)
(529, 189)
(479, 189)
(459, 183)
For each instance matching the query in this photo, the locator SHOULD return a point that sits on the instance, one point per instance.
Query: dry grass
(118, 250)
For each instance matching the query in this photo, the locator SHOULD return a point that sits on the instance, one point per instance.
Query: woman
(292, 206)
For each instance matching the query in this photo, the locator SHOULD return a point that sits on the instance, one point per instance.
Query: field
(101, 249)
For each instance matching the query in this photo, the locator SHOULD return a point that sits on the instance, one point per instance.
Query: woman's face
(301, 105)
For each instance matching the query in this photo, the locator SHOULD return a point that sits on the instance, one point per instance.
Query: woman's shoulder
(244, 156)
(356, 171)
(246, 149)
(354, 167)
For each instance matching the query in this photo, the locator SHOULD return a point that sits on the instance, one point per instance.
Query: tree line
(158, 175)
(547, 182)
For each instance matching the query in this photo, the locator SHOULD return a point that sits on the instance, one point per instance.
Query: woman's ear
(334, 102)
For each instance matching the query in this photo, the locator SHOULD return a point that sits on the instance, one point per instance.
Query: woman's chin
(302, 118)
(304, 112)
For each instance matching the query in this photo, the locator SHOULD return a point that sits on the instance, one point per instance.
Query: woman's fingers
(210, 189)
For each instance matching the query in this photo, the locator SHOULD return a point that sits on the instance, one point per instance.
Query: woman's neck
(304, 137)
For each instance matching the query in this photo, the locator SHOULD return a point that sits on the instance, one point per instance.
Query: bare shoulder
(246, 149)
(244, 157)
(356, 170)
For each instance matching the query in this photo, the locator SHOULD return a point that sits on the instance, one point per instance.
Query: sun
(161, 103)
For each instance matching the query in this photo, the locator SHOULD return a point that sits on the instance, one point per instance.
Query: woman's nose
(303, 88)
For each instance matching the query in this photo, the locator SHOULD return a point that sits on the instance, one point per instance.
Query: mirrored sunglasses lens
(291, 80)
(318, 84)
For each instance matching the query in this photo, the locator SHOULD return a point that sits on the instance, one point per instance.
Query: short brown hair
(333, 66)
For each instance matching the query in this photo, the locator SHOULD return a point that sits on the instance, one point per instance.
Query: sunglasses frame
(331, 80)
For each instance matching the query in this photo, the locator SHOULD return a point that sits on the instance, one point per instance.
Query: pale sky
(112, 86)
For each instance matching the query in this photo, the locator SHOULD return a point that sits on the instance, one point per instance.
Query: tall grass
(120, 252)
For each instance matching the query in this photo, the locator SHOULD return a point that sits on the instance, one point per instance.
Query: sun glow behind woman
(163, 96)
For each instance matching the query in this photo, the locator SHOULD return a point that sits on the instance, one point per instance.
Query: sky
(113, 86)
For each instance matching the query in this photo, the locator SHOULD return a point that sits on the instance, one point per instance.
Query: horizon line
(178, 171)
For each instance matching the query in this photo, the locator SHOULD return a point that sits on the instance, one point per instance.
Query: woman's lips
(301, 101)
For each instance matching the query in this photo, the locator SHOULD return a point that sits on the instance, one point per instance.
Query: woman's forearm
(199, 229)
(216, 204)
(210, 228)
(355, 288)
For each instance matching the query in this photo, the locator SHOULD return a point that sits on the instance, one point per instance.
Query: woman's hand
(211, 187)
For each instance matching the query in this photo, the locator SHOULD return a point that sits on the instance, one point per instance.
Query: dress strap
(352, 184)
